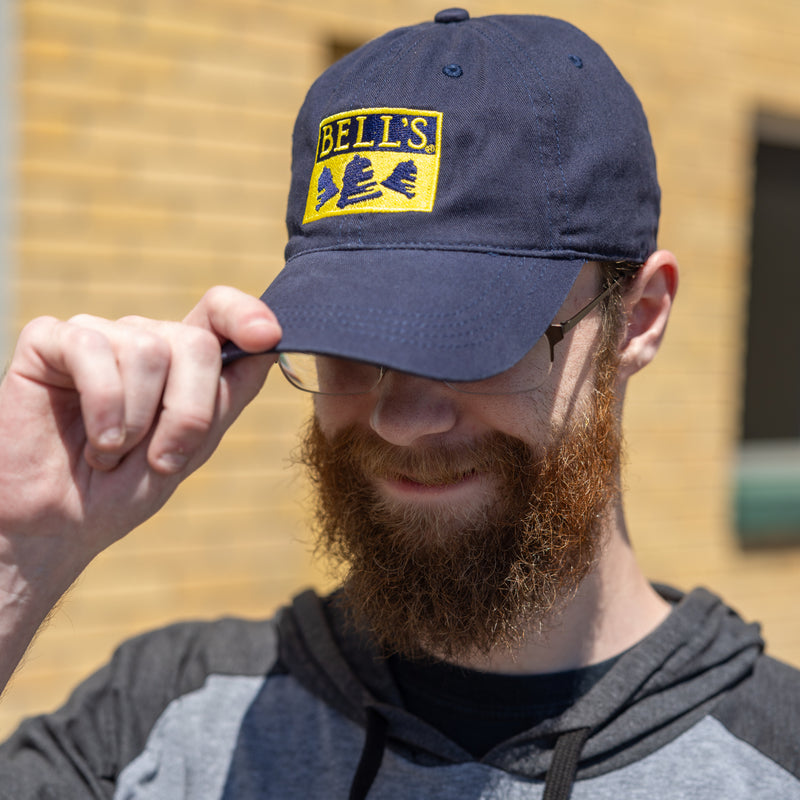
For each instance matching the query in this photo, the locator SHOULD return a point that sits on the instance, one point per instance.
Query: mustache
(432, 464)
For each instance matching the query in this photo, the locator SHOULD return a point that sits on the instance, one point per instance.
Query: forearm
(29, 591)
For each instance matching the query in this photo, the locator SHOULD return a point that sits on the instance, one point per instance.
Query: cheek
(524, 416)
(573, 380)
(572, 393)
(337, 413)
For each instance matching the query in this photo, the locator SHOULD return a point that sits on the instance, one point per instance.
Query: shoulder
(764, 711)
(80, 749)
(149, 672)
(190, 651)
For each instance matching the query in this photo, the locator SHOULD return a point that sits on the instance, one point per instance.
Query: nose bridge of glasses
(362, 376)
(399, 380)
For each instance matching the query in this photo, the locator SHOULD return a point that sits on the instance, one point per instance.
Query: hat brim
(445, 315)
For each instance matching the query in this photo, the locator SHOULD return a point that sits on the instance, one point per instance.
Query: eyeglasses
(331, 375)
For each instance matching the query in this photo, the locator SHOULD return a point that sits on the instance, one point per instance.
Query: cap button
(452, 15)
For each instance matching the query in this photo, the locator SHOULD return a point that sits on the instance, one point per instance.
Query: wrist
(35, 572)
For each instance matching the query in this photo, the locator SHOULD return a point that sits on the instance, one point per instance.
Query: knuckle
(202, 344)
(219, 298)
(36, 327)
(133, 320)
(84, 320)
(196, 422)
(216, 293)
(183, 430)
(147, 348)
(83, 339)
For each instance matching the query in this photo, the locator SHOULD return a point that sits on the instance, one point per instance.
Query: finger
(171, 374)
(143, 356)
(70, 356)
(190, 399)
(238, 317)
(241, 382)
(237, 386)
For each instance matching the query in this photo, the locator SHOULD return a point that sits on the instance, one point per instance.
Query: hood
(655, 691)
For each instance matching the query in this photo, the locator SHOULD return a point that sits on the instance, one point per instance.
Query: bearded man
(472, 278)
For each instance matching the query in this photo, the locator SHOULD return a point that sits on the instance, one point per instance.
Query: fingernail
(260, 325)
(111, 437)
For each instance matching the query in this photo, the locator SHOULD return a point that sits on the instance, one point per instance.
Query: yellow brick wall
(153, 142)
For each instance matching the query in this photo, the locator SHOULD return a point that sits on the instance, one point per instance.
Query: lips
(462, 487)
(435, 481)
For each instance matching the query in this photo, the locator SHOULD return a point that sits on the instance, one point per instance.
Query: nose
(408, 408)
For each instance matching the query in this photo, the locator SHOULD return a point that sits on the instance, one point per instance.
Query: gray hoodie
(301, 706)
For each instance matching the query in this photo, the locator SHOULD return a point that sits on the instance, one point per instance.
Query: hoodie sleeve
(80, 750)
(764, 712)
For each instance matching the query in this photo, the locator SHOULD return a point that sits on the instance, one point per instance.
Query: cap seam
(493, 41)
(357, 222)
(333, 95)
(520, 53)
(469, 247)
(345, 226)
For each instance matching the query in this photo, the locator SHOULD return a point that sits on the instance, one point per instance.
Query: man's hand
(99, 423)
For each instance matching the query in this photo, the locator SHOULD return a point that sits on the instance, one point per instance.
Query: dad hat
(449, 180)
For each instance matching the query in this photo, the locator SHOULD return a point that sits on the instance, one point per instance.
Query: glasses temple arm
(558, 330)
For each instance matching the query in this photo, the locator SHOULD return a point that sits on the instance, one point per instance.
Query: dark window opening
(768, 476)
(772, 386)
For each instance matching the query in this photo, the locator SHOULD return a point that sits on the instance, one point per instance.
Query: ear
(648, 302)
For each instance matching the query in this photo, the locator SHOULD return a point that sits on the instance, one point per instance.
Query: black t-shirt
(478, 710)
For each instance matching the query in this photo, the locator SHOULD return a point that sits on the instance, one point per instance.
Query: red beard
(453, 582)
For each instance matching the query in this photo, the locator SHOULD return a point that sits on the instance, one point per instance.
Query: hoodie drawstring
(371, 755)
(566, 755)
(557, 786)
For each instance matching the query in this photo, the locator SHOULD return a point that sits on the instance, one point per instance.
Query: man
(472, 278)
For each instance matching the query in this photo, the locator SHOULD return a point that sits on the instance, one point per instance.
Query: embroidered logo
(375, 160)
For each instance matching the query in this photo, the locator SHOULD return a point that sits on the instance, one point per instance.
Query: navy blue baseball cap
(449, 181)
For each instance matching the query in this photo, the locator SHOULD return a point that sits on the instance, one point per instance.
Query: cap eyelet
(452, 70)
(577, 61)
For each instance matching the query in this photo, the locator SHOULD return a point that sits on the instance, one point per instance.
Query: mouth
(434, 482)
(457, 486)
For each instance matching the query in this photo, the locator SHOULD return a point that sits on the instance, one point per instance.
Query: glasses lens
(328, 374)
(526, 375)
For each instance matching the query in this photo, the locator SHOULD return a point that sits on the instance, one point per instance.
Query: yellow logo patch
(375, 160)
